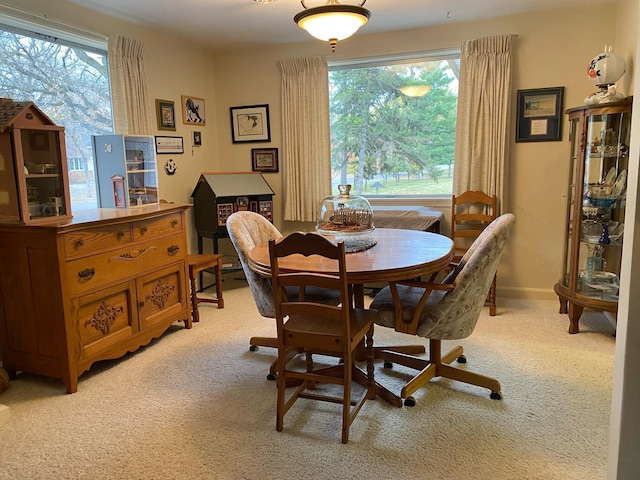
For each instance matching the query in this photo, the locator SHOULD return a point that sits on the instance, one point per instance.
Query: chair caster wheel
(253, 348)
(462, 359)
(495, 396)
(409, 402)
(388, 365)
(272, 376)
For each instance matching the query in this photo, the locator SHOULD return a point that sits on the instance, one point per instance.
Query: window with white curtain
(393, 124)
(67, 77)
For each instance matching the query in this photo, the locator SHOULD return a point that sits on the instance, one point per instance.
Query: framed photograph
(264, 159)
(540, 115)
(197, 139)
(250, 124)
(166, 115)
(169, 145)
(39, 140)
(193, 110)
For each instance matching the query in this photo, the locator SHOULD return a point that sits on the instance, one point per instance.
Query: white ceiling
(238, 23)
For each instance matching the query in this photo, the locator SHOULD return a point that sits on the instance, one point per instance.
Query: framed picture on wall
(169, 145)
(165, 114)
(264, 159)
(193, 110)
(539, 115)
(250, 124)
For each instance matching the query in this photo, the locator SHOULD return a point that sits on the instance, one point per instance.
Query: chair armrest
(412, 326)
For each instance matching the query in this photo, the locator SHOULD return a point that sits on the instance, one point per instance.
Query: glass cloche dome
(348, 218)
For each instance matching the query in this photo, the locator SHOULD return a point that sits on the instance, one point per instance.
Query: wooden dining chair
(315, 328)
(471, 212)
(248, 230)
(444, 311)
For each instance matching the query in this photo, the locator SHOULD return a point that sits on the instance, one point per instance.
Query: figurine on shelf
(608, 95)
(604, 236)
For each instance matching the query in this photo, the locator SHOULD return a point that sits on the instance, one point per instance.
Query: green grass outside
(443, 186)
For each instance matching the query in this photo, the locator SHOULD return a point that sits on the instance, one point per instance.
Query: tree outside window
(387, 143)
(71, 85)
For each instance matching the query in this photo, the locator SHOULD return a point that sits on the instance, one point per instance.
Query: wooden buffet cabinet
(91, 288)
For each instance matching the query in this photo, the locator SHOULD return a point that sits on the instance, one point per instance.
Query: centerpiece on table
(348, 218)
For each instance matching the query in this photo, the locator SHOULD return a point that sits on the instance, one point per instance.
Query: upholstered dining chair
(471, 212)
(444, 311)
(248, 230)
(310, 327)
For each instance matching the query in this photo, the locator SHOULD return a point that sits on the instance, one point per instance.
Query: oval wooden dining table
(397, 255)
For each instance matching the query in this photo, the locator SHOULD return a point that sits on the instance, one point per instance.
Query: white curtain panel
(306, 152)
(129, 86)
(483, 118)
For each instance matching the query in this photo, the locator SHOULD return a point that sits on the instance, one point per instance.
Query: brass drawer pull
(86, 274)
(174, 223)
(173, 250)
(79, 243)
(143, 230)
(120, 234)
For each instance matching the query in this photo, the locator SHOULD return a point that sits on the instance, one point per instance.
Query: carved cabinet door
(161, 294)
(104, 320)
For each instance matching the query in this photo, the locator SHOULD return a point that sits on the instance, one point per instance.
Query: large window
(393, 125)
(70, 83)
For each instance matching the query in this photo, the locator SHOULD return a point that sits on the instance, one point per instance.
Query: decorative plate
(611, 176)
(621, 181)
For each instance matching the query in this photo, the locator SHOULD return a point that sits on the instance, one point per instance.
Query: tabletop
(398, 255)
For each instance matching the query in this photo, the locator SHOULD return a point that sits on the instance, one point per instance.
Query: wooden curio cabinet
(34, 184)
(596, 198)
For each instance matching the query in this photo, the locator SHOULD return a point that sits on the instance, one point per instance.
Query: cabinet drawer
(86, 274)
(157, 227)
(91, 240)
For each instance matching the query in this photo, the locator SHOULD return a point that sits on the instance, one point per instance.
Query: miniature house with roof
(218, 195)
(34, 186)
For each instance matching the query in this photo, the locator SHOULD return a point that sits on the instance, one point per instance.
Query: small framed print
(540, 115)
(166, 115)
(264, 159)
(197, 139)
(193, 110)
(250, 124)
(169, 145)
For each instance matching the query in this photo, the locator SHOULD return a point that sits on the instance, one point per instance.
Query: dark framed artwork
(264, 159)
(250, 124)
(197, 139)
(166, 115)
(169, 145)
(540, 115)
(39, 140)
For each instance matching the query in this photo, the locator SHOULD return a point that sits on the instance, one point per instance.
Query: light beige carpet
(195, 404)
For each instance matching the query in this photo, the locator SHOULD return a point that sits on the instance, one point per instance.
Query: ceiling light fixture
(333, 21)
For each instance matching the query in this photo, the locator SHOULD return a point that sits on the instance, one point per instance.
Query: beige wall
(553, 49)
(174, 68)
